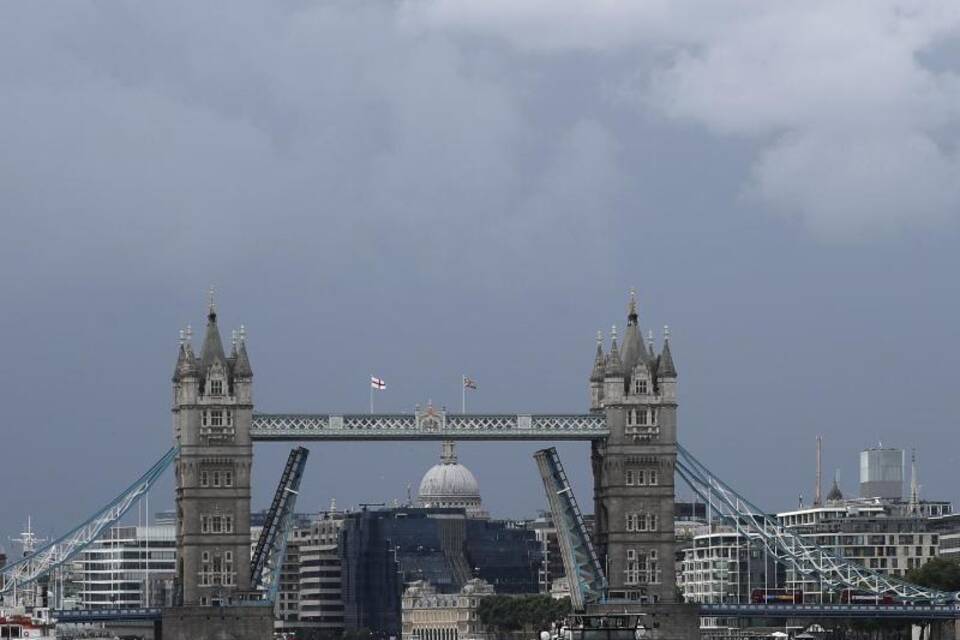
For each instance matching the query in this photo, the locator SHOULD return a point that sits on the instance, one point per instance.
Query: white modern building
(725, 567)
(310, 597)
(129, 566)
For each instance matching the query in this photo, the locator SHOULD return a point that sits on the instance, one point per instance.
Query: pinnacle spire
(212, 349)
(186, 361)
(211, 305)
(666, 368)
(634, 352)
(614, 365)
(835, 494)
(598, 362)
(241, 366)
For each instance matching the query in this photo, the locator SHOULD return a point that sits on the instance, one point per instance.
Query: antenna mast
(817, 496)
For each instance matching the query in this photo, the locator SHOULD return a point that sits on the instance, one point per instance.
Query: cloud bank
(853, 109)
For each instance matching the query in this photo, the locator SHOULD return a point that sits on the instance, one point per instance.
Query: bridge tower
(212, 412)
(636, 389)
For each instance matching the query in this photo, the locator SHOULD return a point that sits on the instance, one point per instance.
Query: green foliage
(507, 613)
(937, 573)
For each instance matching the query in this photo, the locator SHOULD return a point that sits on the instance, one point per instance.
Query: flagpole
(463, 393)
(371, 393)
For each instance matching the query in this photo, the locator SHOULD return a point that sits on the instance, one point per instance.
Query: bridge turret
(596, 376)
(242, 372)
(186, 376)
(666, 370)
(212, 414)
(613, 372)
(634, 471)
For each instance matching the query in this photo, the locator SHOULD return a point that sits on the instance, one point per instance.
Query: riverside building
(724, 566)
(129, 566)
(877, 535)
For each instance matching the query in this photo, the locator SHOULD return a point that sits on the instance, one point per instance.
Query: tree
(937, 573)
(504, 614)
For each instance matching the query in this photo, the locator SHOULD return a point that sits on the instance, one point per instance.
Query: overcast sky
(422, 189)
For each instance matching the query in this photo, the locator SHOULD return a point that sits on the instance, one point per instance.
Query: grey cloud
(426, 189)
(793, 77)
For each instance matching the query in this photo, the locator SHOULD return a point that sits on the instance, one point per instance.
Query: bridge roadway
(803, 611)
(847, 611)
(430, 424)
(105, 615)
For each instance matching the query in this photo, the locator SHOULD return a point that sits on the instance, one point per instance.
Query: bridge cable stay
(797, 552)
(580, 562)
(54, 554)
(267, 559)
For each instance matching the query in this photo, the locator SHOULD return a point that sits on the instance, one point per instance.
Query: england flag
(377, 383)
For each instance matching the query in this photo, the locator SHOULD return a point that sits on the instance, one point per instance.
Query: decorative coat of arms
(431, 418)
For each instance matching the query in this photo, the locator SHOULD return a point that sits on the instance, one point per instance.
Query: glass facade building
(383, 551)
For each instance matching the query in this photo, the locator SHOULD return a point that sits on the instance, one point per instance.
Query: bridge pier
(942, 630)
(217, 623)
(674, 621)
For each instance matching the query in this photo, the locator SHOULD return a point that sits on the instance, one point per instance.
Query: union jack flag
(469, 383)
(377, 383)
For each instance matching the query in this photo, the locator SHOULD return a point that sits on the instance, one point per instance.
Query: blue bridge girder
(846, 611)
(427, 425)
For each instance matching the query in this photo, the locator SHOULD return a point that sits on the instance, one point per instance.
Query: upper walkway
(820, 611)
(430, 424)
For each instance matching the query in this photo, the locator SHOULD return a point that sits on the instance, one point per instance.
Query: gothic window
(204, 524)
(642, 522)
(629, 477)
(216, 418)
(651, 521)
(229, 575)
(204, 479)
(216, 387)
(652, 478)
(642, 417)
(641, 386)
(228, 478)
(642, 567)
(216, 478)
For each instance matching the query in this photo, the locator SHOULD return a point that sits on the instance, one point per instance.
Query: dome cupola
(450, 485)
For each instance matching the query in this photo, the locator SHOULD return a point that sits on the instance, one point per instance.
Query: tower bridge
(631, 425)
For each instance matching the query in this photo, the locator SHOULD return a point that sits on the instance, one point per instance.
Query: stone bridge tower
(633, 469)
(212, 412)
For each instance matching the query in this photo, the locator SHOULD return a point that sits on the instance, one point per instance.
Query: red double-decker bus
(776, 596)
(849, 596)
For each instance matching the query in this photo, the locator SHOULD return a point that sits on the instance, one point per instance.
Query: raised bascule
(628, 565)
